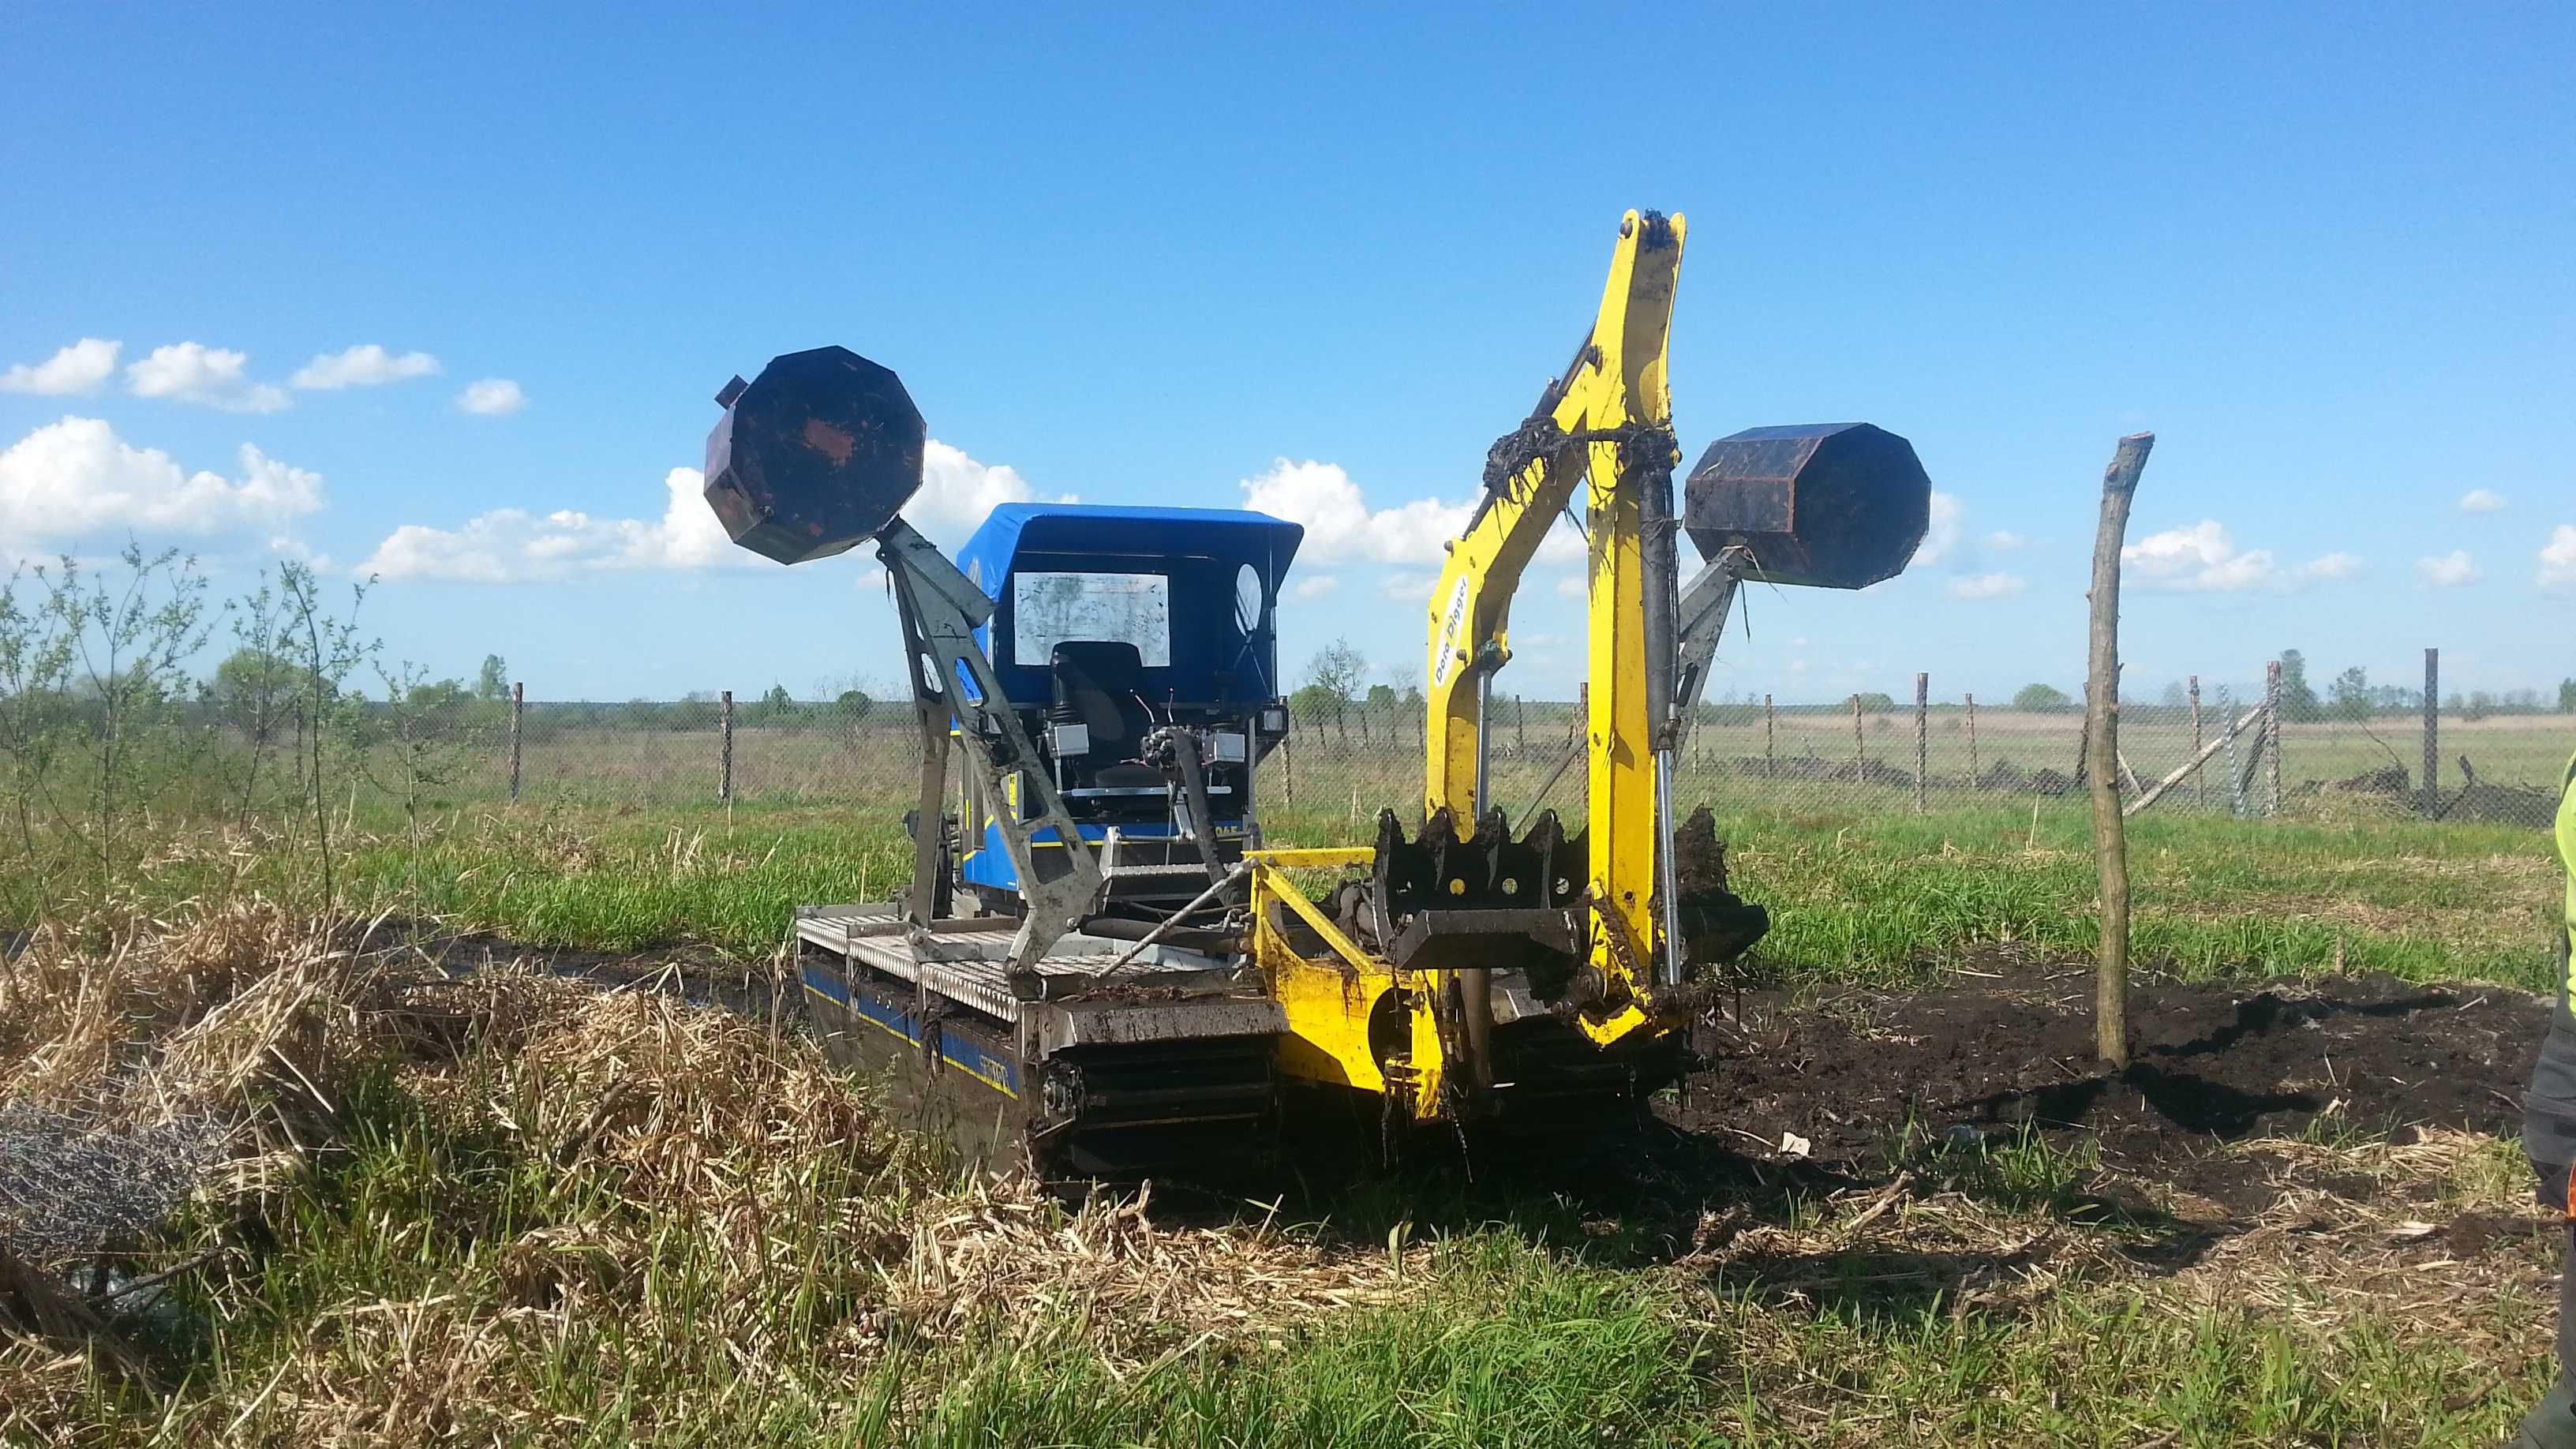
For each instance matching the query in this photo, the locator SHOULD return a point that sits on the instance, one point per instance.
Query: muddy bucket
(814, 456)
(1834, 505)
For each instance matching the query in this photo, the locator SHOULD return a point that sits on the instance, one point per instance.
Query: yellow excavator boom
(1605, 422)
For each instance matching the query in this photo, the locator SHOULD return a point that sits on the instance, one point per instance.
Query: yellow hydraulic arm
(1608, 421)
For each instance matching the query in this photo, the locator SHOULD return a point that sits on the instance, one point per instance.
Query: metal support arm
(1706, 601)
(1061, 883)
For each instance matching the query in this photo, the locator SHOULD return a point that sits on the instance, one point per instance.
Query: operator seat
(1100, 683)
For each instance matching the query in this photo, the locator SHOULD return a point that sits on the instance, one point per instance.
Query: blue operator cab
(1114, 631)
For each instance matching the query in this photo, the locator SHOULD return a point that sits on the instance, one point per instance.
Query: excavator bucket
(1834, 505)
(817, 454)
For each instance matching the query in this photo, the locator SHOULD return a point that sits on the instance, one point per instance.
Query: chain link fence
(2229, 749)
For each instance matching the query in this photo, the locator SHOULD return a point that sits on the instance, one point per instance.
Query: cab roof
(1229, 535)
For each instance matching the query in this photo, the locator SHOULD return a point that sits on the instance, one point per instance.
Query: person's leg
(2551, 1424)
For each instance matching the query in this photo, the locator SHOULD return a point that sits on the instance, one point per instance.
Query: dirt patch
(1866, 1078)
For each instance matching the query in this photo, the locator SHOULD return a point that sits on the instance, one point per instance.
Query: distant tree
(2567, 696)
(855, 704)
(1314, 703)
(1381, 696)
(2298, 699)
(493, 680)
(251, 677)
(2174, 696)
(2480, 705)
(1337, 669)
(2350, 694)
(1875, 703)
(433, 694)
(2040, 698)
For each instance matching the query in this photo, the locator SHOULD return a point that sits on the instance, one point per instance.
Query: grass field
(514, 1210)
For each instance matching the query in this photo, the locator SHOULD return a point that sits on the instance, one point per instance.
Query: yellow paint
(1328, 856)
(1328, 1003)
(2567, 857)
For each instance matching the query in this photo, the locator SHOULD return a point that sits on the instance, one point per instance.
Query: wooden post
(1976, 776)
(1520, 730)
(1860, 746)
(518, 706)
(2272, 730)
(2102, 750)
(1770, 758)
(1922, 735)
(2432, 732)
(2199, 784)
(724, 747)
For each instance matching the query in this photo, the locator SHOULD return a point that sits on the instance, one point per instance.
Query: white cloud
(1412, 589)
(1340, 528)
(491, 397)
(76, 369)
(1987, 586)
(2004, 540)
(1573, 586)
(1313, 586)
(512, 545)
(2482, 500)
(366, 365)
(2450, 570)
(76, 477)
(2199, 558)
(192, 372)
(2558, 558)
(956, 492)
(1941, 536)
(2204, 559)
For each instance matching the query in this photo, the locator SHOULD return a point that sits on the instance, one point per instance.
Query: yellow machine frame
(1618, 380)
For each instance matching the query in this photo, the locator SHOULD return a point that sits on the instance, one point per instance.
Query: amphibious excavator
(1101, 968)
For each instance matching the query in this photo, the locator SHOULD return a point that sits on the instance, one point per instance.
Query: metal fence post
(1922, 735)
(518, 706)
(2199, 782)
(724, 735)
(2432, 732)
(2272, 728)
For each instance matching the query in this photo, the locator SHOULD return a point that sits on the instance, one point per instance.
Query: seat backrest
(1102, 680)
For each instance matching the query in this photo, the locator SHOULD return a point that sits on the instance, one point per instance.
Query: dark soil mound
(1853, 1074)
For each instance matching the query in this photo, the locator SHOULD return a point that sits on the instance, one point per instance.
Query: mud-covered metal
(1836, 505)
(817, 454)
(1717, 925)
(1438, 902)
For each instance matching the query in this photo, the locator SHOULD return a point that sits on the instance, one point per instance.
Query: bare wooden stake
(2102, 750)
(518, 707)
(724, 748)
(1975, 775)
(2272, 729)
(1860, 747)
(2432, 732)
(2199, 785)
(1770, 760)
(1922, 735)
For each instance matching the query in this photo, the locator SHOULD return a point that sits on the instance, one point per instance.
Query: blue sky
(1171, 256)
